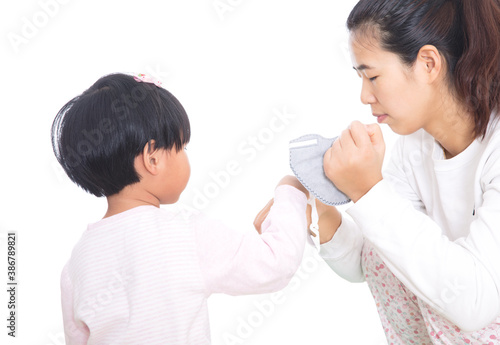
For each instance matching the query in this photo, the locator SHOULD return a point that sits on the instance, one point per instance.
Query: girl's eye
(373, 78)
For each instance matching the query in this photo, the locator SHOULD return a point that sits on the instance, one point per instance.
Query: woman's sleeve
(343, 252)
(237, 263)
(459, 279)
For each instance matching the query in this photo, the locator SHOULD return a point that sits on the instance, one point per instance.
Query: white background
(233, 68)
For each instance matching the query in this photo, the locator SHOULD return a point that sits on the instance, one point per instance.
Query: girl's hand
(262, 215)
(329, 219)
(354, 162)
(287, 180)
(294, 182)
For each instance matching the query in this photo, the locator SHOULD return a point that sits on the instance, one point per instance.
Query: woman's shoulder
(490, 160)
(492, 135)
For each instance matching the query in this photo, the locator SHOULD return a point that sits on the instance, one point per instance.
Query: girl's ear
(430, 63)
(150, 157)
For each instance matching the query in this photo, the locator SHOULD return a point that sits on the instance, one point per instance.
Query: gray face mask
(306, 161)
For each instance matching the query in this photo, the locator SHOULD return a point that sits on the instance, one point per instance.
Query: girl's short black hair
(97, 135)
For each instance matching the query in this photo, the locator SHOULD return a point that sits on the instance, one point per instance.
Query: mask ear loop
(314, 227)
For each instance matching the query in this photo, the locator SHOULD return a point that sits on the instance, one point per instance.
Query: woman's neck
(452, 127)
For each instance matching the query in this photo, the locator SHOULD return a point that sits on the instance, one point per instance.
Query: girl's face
(397, 94)
(175, 175)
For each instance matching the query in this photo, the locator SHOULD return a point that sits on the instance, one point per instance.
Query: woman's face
(397, 94)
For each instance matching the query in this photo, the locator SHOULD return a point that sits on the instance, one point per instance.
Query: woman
(425, 235)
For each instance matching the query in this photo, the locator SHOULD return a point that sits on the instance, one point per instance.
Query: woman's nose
(367, 96)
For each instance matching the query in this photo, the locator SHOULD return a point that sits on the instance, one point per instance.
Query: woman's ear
(430, 63)
(150, 157)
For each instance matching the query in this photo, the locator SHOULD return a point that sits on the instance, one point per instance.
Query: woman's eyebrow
(362, 67)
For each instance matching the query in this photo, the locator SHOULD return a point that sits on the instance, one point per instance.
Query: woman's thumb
(376, 137)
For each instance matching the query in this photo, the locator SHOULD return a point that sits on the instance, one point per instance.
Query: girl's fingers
(262, 215)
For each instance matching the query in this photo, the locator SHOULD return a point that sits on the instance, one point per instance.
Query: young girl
(425, 235)
(142, 275)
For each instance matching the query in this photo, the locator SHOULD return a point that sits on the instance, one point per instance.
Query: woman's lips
(381, 117)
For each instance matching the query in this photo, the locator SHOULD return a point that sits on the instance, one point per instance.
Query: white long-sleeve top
(436, 224)
(143, 276)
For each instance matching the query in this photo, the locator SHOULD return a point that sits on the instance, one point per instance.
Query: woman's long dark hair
(466, 32)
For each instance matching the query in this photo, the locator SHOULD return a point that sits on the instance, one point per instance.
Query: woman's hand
(328, 222)
(354, 162)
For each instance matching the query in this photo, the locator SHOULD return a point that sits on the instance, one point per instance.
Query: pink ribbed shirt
(143, 276)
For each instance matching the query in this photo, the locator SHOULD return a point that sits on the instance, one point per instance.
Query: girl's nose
(367, 96)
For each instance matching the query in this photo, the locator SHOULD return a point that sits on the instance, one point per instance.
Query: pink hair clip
(143, 78)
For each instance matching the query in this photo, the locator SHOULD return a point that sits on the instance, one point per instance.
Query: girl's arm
(342, 255)
(76, 334)
(236, 263)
